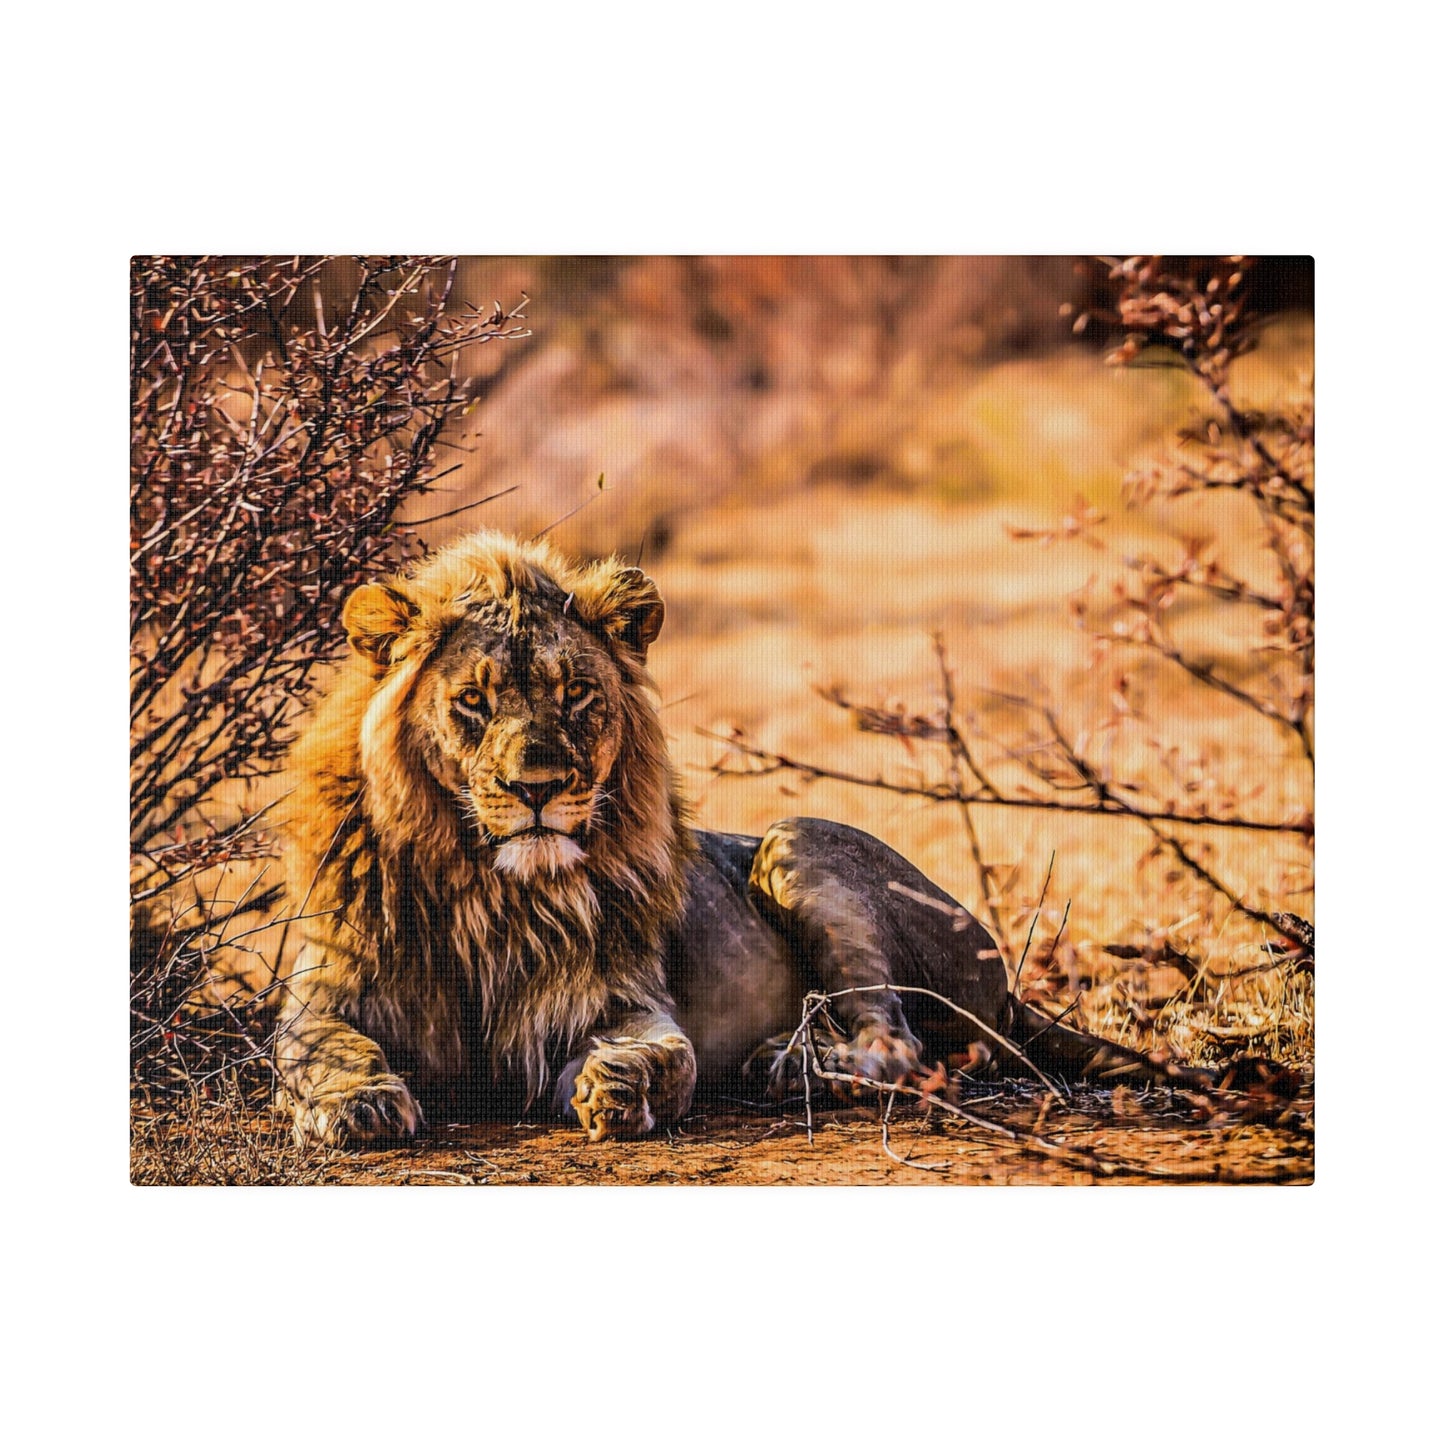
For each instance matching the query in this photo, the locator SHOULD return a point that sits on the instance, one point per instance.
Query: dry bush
(284, 410)
(1220, 625)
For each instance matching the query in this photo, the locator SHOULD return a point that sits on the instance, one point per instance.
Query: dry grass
(221, 1137)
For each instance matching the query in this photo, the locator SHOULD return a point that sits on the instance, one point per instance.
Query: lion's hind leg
(824, 886)
(911, 975)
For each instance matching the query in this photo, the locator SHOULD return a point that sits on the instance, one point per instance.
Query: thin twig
(1112, 808)
(898, 1158)
(1023, 957)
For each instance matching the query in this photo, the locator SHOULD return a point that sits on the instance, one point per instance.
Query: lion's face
(519, 719)
(511, 688)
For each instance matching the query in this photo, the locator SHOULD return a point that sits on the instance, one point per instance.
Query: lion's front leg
(341, 1087)
(633, 1078)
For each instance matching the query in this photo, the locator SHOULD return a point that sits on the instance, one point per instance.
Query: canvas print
(722, 720)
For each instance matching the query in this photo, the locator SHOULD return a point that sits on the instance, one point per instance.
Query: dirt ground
(1121, 1138)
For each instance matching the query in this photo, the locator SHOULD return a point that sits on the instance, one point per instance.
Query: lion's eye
(577, 692)
(472, 699)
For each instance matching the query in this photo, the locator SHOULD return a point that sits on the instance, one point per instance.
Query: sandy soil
(1131, 1138)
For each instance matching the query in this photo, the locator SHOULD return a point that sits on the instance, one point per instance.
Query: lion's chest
(492, 989)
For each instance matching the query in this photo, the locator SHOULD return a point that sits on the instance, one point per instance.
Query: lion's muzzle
(537, 794)
(535, 824)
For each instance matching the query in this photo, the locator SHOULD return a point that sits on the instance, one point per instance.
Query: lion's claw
(611, 1113)
(625, 1087)
(610, 1094)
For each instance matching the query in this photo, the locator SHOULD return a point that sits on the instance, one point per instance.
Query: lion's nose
(537, 794)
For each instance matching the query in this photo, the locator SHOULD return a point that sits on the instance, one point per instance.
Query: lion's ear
(625, 604)
(375, 615)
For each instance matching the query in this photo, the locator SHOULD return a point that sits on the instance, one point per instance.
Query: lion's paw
(872, 1055)
(614, 1109)
(625, 1087)
(377, 1107)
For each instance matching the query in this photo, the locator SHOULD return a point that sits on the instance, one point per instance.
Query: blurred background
(704, 382)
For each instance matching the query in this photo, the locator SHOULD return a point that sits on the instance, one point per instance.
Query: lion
(499, 889)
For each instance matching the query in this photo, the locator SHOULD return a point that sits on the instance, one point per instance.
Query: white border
(746, 128)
